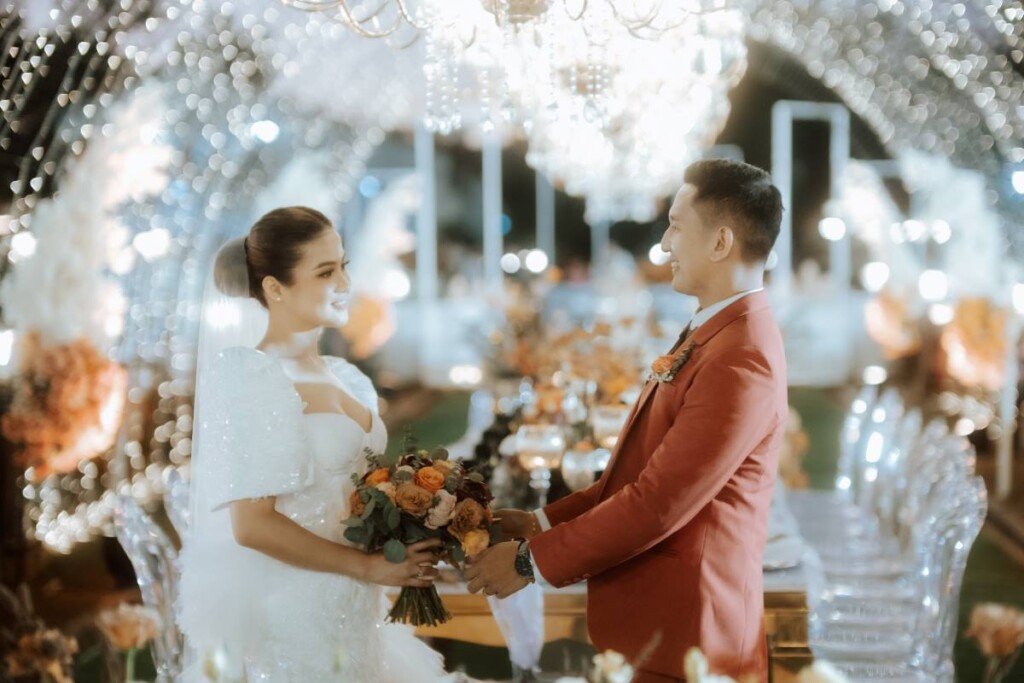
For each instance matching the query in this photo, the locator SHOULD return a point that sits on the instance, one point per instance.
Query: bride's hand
(417, 570)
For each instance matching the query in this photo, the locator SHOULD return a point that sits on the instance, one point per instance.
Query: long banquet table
(786, 605)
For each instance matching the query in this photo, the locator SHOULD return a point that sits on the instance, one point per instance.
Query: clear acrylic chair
(911, 639)
(176, 502)
(155, 562)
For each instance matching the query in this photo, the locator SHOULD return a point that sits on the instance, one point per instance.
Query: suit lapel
(750, 303)
(641, 401)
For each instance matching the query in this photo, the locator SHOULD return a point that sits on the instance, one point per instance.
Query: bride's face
(318, 295)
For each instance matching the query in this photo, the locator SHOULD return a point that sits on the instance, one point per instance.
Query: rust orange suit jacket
(671, 538)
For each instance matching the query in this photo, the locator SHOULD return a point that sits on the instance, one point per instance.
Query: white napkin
(520, 619)
(783, 552)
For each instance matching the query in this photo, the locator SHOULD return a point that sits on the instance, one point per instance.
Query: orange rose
(662, 364)
(414, 499)
(468, 516)
(475, 542)
(378, 476)
(430, 479)
(356, 504)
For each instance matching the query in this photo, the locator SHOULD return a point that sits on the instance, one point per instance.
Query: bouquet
(423, 495)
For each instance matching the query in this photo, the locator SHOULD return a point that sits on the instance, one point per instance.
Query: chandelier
(614, 97)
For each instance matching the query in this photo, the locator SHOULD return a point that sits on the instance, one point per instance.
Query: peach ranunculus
(414, 499)
(129, 627)
(662, 364)
(378, 476)
(356, 504)
(430, 478)
(468, 516)
(441, 513)
(475, 542)
(998, 629)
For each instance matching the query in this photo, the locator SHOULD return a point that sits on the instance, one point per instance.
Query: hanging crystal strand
(486, 111)
(431, 69)
(510, 38)
(440, 70)
(451, 118)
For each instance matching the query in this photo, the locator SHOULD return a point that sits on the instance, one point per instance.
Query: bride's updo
(273, 248)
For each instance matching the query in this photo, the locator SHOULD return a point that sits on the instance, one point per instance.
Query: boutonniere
(665, 368)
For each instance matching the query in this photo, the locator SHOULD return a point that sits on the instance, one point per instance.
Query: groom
(671, 538)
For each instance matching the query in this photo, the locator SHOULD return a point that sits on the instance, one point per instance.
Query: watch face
(523, 566)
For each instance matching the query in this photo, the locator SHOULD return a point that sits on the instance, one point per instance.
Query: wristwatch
(524, 567)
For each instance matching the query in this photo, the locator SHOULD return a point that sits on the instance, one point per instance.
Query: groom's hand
(516, 523)
(494, 571)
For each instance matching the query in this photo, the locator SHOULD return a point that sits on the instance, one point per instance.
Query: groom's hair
(741, 196)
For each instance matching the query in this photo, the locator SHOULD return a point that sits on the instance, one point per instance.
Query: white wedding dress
(287, 625)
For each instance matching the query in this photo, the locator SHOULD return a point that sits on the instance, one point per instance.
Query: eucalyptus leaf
(394, 551)
(394, 518)
(356, 535)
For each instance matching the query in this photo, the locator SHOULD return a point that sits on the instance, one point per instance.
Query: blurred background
(500, 171)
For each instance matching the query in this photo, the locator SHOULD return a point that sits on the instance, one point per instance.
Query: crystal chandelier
(615, 118)
(615, 97)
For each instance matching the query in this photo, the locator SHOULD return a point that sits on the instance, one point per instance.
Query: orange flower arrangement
(28, 649)
(795, 444)
(975, 344)
(371, 323)
(475, 542)
(378, 476)
(430, 478)
(67, 405)
(413, 499)
(999, 631)
(434, 498)
(889, 323)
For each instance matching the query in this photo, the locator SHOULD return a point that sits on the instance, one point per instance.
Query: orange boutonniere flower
(665, 368)
(662, 364)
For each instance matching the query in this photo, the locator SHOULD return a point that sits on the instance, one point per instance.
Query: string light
(922, 75)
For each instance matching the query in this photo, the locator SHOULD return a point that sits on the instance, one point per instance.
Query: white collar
(705, 314)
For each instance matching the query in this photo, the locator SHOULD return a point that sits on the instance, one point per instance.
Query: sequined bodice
(337, 448)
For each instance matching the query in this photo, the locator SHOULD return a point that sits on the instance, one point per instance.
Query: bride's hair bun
(231, 270)
(272, 249)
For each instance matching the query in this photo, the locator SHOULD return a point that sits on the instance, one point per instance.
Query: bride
(270, 589)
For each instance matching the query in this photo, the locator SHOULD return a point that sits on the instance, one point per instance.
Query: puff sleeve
(254, 444)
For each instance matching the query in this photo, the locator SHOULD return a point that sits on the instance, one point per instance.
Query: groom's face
(687, 242)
